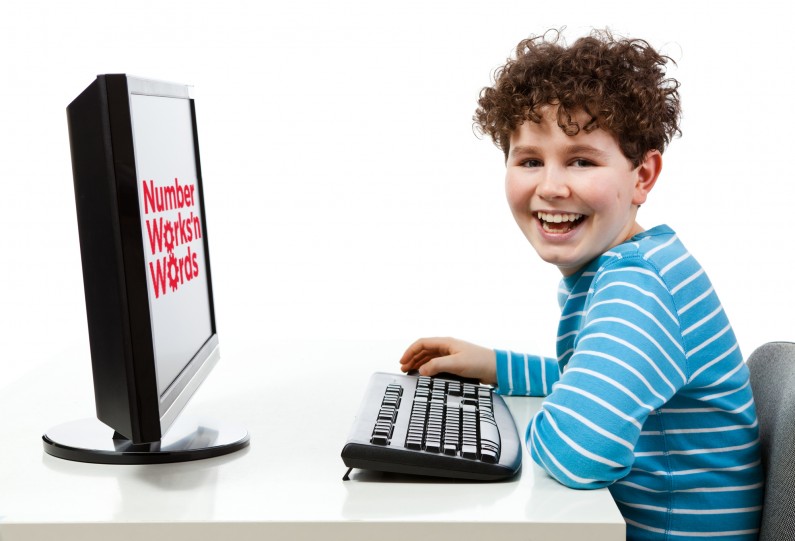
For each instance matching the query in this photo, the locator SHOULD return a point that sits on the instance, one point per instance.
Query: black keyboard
(433, 426)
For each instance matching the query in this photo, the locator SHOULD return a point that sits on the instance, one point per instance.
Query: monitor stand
(90, 440)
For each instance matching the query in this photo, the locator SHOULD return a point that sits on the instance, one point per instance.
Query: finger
(420, 349)
(438, 346)
(433, 366)
(418, 360)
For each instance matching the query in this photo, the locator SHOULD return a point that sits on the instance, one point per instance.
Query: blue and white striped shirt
(654, 398)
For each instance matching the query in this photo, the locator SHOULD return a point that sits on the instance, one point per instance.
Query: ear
(647, 173)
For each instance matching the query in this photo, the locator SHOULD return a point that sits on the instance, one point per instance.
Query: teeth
(558, 218)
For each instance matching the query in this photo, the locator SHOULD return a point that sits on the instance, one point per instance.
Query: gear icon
(168, 236)
(172, 271)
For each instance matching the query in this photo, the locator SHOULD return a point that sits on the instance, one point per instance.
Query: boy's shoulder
(656, 254)
(655, 244)
(653, 249)
(657, 251)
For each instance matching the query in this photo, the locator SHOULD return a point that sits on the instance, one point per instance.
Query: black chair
(772, 369)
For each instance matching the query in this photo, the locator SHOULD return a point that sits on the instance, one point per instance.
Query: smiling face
(574, 197)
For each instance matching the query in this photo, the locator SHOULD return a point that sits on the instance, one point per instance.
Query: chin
(561, 263)
(566, 265)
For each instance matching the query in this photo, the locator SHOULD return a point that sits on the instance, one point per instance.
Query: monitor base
(90, 440)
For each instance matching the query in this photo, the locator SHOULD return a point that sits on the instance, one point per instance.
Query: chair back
(772, 368)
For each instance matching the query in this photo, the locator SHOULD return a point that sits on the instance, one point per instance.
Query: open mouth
(559, 222)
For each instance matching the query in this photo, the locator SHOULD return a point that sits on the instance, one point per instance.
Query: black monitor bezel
(114, 268)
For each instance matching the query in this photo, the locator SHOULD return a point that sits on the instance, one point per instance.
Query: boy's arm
(628, 361)
(528, 375)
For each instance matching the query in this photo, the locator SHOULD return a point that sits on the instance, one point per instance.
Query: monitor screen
(171, 226)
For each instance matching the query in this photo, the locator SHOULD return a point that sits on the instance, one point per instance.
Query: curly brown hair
(619, 83)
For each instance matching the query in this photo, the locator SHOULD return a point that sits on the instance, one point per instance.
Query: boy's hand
(433, 355)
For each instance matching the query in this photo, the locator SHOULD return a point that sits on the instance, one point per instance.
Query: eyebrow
(524, 150)
(585, 149)
(569, 150)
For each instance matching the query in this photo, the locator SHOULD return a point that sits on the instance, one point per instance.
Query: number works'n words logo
(171, 226)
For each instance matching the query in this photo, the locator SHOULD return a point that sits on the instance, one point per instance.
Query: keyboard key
(469, 451)
(433, 445)
(490, 456)
(379, 439)
(414, 443)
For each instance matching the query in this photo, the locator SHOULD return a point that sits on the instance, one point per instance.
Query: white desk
(286, 485)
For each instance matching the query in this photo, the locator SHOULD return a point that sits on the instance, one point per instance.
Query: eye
(582, 163)
(531, 163)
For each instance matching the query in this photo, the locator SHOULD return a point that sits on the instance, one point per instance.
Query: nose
(553, 184)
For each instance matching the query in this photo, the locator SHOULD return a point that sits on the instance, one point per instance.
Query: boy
(649, 394)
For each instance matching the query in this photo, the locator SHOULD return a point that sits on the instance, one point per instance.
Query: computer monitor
(146, 274)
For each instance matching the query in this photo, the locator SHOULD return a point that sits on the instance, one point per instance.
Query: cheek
(517, 193)
(606, 199)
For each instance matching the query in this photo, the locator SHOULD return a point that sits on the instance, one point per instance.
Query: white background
(347, 195)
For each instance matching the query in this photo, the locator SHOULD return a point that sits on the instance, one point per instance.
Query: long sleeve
(523, 374)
